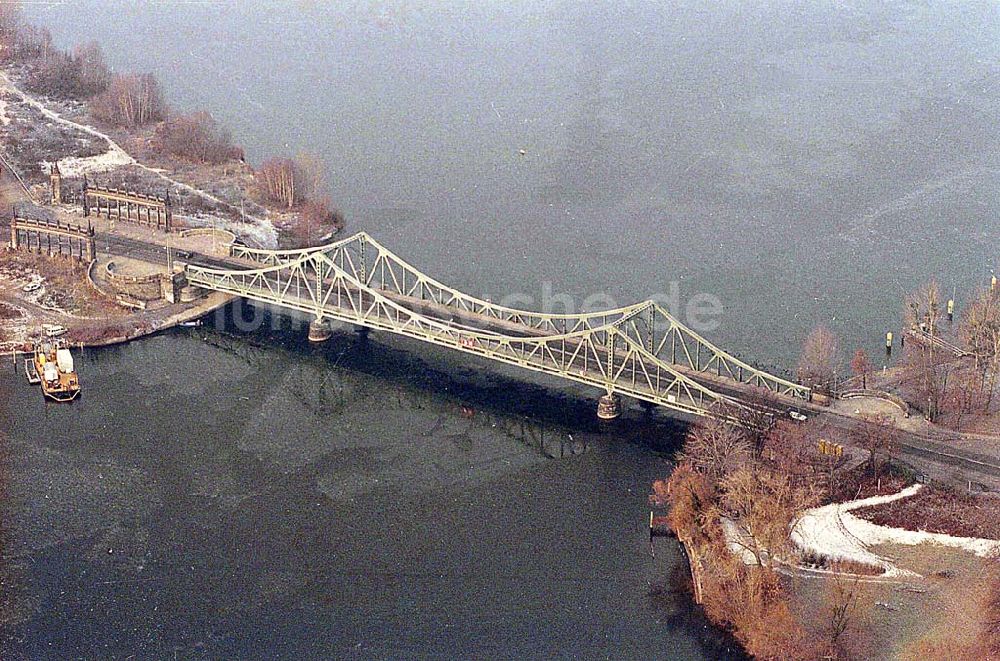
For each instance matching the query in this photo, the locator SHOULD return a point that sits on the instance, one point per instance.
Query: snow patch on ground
(256, 232)
(834, 532)
(75, 166)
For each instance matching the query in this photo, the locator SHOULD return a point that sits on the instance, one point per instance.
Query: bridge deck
(639, 350)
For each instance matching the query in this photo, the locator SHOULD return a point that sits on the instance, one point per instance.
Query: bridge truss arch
(639, 350)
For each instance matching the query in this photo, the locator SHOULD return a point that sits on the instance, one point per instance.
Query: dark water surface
(246, 496)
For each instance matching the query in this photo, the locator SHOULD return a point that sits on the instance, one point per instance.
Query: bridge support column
(319, 330)
(190, 293)
(609, 407)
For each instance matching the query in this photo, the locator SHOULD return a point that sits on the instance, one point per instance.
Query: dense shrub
(317, 220)
(197, 137)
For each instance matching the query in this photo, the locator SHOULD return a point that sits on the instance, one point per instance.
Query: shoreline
(211, 303)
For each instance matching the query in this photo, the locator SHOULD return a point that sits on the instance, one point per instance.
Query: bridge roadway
(587, 361)
(623, 351)
(931, 450)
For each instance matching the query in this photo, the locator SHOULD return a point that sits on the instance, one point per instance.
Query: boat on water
(52, 367)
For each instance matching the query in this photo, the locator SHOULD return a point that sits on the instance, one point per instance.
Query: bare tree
(94, 75)
(131, 100)
(964, 393)
(275, 183)
(791, 447)
(845, 604)
(197, 137)
(980, 331)
(876, 434)
(289, 183)
(691, 499)
(756, 417)
(818, 362)
(861, 365)
(716, 448)
(31, 42)
(317, 222)
(311, 175)
(11, 23)
(762, 504)
(925, 377)
(923, 307)
(754, 602)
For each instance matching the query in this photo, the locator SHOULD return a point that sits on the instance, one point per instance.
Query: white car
(795, 415)
(31, 286)
(53, 330)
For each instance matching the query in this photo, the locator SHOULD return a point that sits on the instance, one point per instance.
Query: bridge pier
(189, 293)
(609, 407)
(319, 330)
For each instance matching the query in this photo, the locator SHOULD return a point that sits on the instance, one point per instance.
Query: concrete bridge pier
(189, 293)
(320, 330)
(609, 406)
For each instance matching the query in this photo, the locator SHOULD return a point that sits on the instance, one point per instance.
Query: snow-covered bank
(832, 531)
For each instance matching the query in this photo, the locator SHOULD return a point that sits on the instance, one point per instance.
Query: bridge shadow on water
(557, 418)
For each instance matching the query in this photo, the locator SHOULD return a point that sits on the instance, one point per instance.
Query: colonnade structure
(640, 350)
(52, 237)
(129, 206)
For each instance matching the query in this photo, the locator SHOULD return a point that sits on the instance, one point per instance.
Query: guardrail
(899, 402)
(17, 176)
(937, 342)
(224, 235)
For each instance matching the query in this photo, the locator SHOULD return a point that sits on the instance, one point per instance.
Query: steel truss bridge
(640, 350)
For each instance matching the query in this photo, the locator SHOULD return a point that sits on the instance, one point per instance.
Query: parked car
(53, 330)
(31, 286)
(795, 415)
